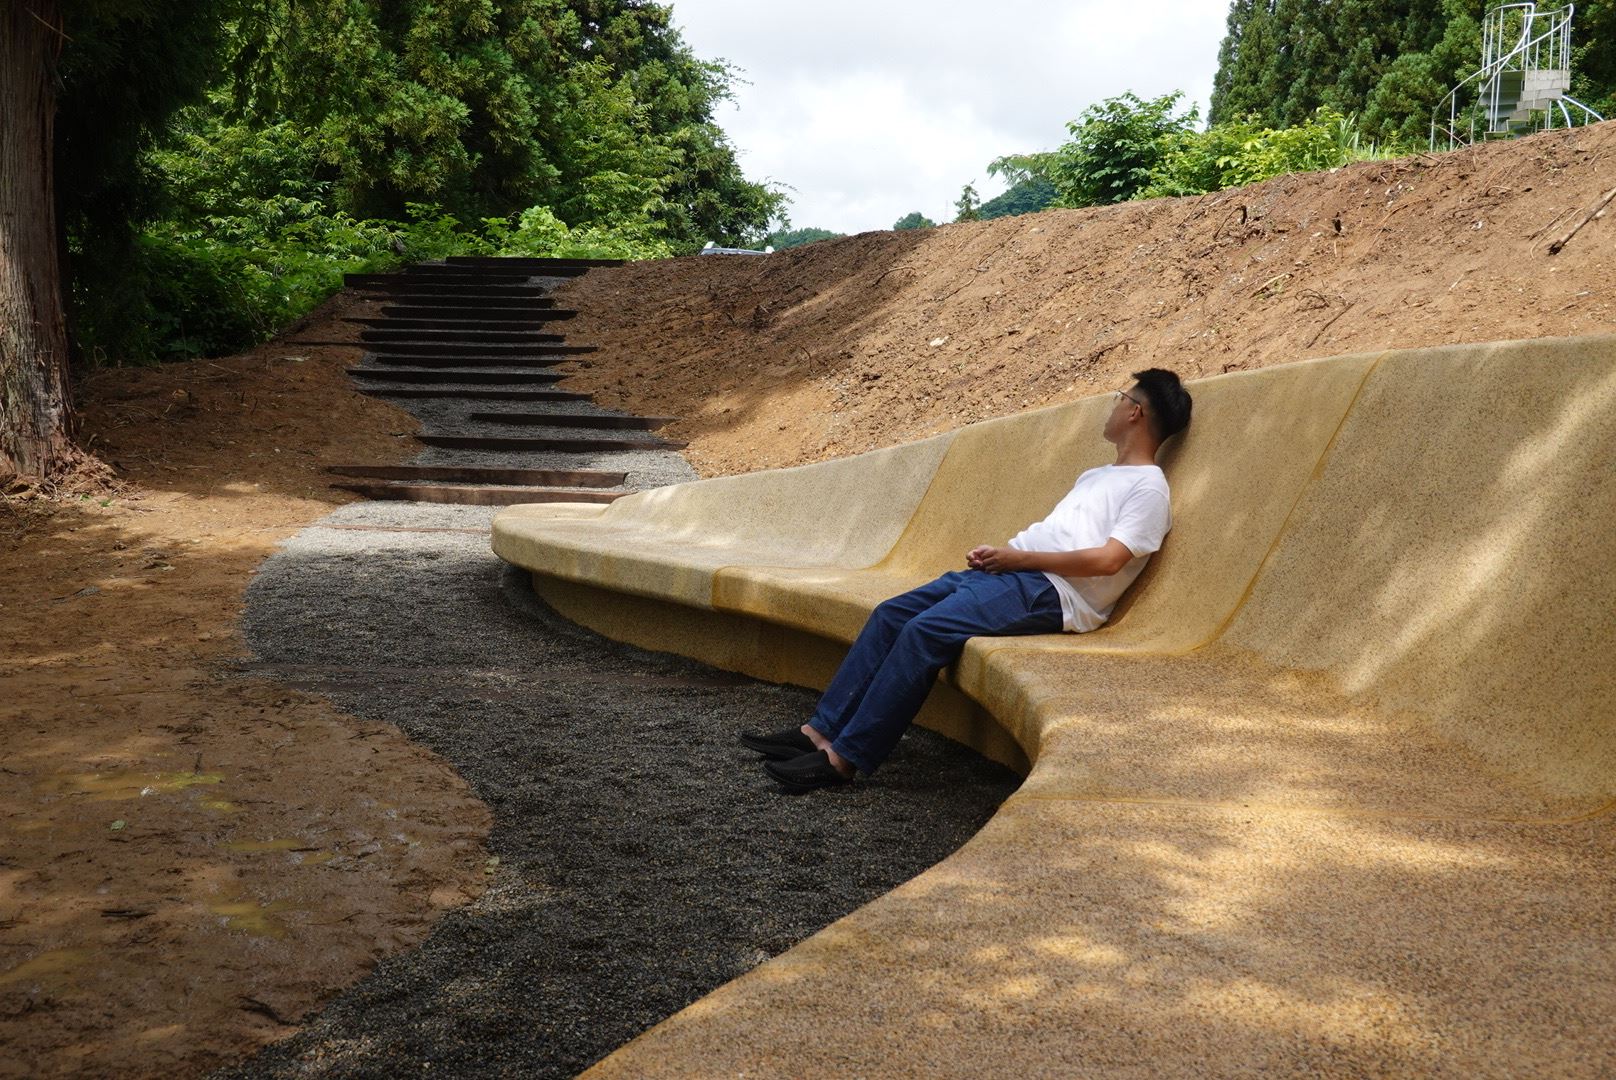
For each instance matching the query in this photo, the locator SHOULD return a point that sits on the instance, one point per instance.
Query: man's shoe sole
(776, 751)
(794, 786)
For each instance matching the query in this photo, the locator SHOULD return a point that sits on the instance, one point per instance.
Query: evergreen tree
(594, 108)
(968, 207)
(83, 86)
(1387, 62)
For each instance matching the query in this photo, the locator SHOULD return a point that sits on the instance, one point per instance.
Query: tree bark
(35, 401)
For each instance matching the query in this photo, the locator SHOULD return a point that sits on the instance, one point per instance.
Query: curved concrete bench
(1332, 790)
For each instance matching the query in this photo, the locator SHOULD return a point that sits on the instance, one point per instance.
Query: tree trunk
(34, 395)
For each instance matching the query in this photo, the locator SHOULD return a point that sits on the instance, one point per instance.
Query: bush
(1238, 152)
(248, 243)
(1116, 150)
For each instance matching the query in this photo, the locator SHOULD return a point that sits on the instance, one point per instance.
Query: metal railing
(1520, 40)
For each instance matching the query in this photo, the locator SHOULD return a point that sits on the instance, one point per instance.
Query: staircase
(470, 344)
(1523, 80)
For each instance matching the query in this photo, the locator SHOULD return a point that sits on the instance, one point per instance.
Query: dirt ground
(193, 857)
(876, 339)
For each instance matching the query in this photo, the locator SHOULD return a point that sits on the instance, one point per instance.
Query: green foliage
(1025, 197)
(968, 207)
(330, 136)
(914, 220)
(1239, 152)
(1142, 149)
(222, 285)
(1593, 56)
(1116, 148)
(1389, 62)
(595, 108)
(781, 239)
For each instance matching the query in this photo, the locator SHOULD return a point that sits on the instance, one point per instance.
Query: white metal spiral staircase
(1525, 73)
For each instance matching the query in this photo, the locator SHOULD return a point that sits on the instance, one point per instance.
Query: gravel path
(643, 858)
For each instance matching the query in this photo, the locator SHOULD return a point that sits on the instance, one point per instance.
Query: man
(1063, 573)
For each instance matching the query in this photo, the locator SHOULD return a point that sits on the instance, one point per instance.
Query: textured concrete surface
(671, 541)
(1333, 794)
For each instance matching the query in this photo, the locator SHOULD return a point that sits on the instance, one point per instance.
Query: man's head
(1156, 399)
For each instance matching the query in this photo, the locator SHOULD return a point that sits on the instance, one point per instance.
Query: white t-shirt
(1128, 502)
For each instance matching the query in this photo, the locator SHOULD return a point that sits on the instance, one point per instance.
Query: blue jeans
(890, 669)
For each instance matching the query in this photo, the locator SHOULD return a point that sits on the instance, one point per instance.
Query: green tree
(83, 86)
(595, 108)
(914, 220)
(1024, 197)
(968, 207)
(781, 239)
(1389, 62)
(1115, 148)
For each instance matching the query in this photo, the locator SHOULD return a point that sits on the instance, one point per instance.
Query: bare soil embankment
(881, 338)
(191, 859)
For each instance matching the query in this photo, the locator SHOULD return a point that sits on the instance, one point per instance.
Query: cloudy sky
(872, 109)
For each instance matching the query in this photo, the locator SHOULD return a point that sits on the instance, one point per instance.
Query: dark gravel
(643, 857)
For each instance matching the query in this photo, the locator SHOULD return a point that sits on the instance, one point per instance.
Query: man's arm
(1102, 561)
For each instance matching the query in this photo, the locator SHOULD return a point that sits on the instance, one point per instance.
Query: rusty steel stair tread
(583, 420)
(469, 495)
(454, 375)
(497, 314)
(480, 349)
(527, 260)
(538, 442)
(411, 291)
(512, 320)
(412, 335)
(470, 393)
(485, 474)
(469, 361)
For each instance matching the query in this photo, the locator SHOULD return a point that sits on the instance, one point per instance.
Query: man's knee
(931, 635)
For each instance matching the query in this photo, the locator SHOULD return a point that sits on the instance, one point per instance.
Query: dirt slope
(191, 859)
(876, 339)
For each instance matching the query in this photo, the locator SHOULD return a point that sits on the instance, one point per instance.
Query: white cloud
(872, 110)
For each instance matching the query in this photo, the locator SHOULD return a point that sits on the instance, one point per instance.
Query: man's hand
(996, 560)
(1101, 561)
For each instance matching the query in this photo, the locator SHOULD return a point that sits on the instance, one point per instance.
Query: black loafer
(780, 745)
(805, 773)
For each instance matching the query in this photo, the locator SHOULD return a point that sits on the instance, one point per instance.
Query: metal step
(465, 393)
(526, 261)
(477, 496)
(578, 420)
(495, 313)
(434, 338)
(492, 349)
(459, 327)
(402, 289)
(417, 280)
(473, 360)
(524, 442)
(451, 375)
(456, 306)
(484, 474)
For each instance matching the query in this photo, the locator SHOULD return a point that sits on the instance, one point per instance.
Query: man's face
(1127, 406)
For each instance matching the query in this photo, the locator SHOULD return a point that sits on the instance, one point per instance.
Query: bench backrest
(1456, 556)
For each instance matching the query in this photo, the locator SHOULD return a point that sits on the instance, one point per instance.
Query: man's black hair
(1169, 401)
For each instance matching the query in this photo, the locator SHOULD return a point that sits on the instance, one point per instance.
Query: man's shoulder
(1130, 478)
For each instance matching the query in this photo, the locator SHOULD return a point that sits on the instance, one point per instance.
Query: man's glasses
(1124, 395)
